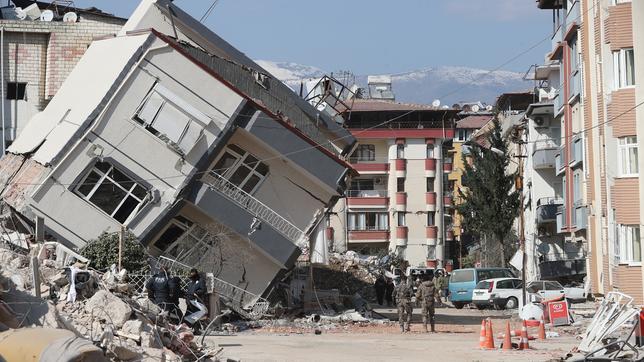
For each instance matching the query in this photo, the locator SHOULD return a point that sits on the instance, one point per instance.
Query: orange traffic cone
(489, 335)
(482, 334)
(524, 337)
(542, 330)
(507, 341)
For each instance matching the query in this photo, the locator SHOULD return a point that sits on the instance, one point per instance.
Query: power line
(208, 11)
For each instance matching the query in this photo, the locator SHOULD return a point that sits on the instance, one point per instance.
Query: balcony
(560, 166)
(254, 207)
(573, 18)
(367, 198)
(580, 218)
(447, 166)
(547, 209)
(430, 167)
(432, 234)
(575, 85)
(401, 235)
(368, 236)
(577, 156)
(544, 154)
(561, 219)
(562, 268)
(447, 200)
(449, 234)
(557, 39)
(371, 167)
(430, 199)
(557, 102)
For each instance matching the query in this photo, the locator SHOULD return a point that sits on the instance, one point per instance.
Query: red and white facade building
(398, 201)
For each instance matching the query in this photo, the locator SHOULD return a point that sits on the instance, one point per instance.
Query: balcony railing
(367, 193)
(559, 161)
(544, 154)
(255, 207)
(581, 217)
(547, 208)
(561, 219)
(557, 101)
(371, 167)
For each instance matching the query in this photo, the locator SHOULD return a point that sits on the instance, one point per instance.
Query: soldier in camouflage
(404, 294)
(426, 295)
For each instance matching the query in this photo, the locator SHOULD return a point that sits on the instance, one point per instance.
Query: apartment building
(204, 156)
(38, 55)
(399, 200)
(595, 45)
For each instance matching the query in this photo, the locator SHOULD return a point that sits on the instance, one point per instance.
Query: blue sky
(374, 36)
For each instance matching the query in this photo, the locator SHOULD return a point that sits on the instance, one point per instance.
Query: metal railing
(550, 201)
(245, 303)
(255, 207)
(367, 193)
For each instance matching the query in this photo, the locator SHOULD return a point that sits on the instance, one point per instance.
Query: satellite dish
(475, 108)
(20, 14)
(47, 15)
(488, 108)
(445, 107)
(436, 103)
(32, 11)
(70, 17)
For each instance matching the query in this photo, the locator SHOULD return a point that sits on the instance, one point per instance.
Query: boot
(433, 329)
(402, 328)
(425, 328)
(407, 329)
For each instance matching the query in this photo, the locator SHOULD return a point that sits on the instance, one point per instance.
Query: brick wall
(42, 54)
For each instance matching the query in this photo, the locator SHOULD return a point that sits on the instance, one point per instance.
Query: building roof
(474, 121)
(372, 105)
(61, 9)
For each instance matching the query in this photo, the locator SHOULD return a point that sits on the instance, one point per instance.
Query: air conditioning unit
(378, 181)
(540, 122)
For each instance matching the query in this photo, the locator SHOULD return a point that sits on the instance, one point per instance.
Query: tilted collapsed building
(170, 131)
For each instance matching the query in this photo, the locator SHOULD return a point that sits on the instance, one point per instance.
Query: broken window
(171, 119)
(364, 153)
(16, 90)
(241, 168)
(112, 191)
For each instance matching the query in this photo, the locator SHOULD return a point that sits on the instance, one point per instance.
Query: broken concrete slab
(106, 305)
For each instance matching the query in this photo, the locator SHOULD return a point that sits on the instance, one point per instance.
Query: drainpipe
(440, 246)
(4, 132)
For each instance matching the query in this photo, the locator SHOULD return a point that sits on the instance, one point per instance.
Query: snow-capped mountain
(450, 84)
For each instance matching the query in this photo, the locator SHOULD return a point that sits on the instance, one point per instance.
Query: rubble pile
(351, 273)
(102, 308)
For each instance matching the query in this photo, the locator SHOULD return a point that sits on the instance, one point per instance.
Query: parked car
(546, 289)
(463, 281)
(497, 292)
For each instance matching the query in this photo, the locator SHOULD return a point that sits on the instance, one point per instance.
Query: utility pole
(519, 187)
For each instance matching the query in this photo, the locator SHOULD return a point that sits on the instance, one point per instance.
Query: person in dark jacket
(381, 288)
(196, 290)
(162, 290)
(389, 291)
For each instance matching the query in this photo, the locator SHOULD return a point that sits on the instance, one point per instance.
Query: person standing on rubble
(381, 287)
(403, 294)
(196, 291)
(162, 290)
(427, 294)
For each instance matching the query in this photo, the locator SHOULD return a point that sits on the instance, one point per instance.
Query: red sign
(558, 312)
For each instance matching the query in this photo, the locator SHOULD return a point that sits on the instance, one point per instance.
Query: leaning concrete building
(169, 131)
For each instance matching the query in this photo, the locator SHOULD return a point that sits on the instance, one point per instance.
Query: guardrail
(255, 207)
(367, 193)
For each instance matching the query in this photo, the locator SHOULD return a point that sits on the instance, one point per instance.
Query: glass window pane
(262, 169)
(630, 67)
(89, 183)
(225, 162)
(192, 134)
(151, 107)
(126, 209)
(121, 179)
(103, 166)
(139, 192)
(250, 160)
(249, 186)
(171, 122)
(169, 236)
(107, 197)
(237, 149)
(240, 175)
(632, 157)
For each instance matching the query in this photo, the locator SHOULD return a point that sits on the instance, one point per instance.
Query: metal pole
(519, 186)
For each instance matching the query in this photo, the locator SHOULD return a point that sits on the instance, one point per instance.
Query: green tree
(489, 203)
(104, 251)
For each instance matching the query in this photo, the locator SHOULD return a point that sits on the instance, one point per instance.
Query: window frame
(400, 184)
(623, 151)
(368, 150)
(103, 176)
(626, 237)
(620, 68)
(429, 152)
(431, 218)
(357, 221)
(400, 151)
(401, 218)
(239, 162)
(430, 184)
(17, 91)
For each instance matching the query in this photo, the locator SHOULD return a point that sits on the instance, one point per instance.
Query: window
(400, 184)
(628, 156)
(173, 232)
(362, 184)
(364, 153)
(368, 221)
(112, 191)
(16, 91)
(401, 219)
(400, 151)
(431, 252)
(462, 276)
(629, 243)
(623, 68)
(431, 218)
(171, 119)
(576, 187)
(430, 184)
(241, 168)
(430, 151)
(553, 286)
(461, 135)
(505, 284)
